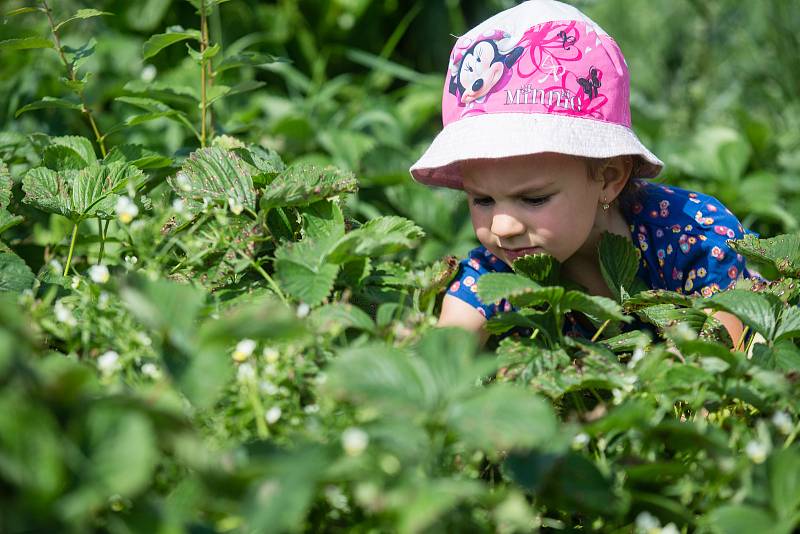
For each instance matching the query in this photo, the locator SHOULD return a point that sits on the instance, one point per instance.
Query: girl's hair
(633, 191)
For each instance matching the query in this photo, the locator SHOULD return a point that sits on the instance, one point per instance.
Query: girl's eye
(482, 201)
(538, 201)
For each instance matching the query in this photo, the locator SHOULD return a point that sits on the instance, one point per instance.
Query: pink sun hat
(539, 77)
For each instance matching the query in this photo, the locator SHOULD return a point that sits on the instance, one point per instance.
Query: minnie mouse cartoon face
(481, 68)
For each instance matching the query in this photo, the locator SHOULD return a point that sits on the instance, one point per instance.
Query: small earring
(605, 204)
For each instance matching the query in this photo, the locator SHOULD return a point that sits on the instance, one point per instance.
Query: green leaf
(337, 317)
(323, 220)
(541, 268)
(448, 364)
(741, 519)
(490, 420)
(215, 174)
(158, 42)
(378, 237)
(302, 273)
(7, 220)
(619, 263)
(49, 102)
(667, 315)
(246, 58)
(564, 482)
(782, 252)
(138, 156)
(759, 311)
(784, 480)
(15, 275)
(69, 151)
(243, 87)
(304, 184)
(279, 501)
(77, 195)
(596, 307)
(82, 14)
(789, 326)
(5, 185)
(25, 43)
(23, 10)
(125, 452)
(493, 287)
(381, 377)
(428, 501)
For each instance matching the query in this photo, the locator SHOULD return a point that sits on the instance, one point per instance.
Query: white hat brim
(503, 135)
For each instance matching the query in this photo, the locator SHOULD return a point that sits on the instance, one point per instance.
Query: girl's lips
(518, 253)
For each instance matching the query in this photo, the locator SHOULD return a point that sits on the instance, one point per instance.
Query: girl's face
(529, 204)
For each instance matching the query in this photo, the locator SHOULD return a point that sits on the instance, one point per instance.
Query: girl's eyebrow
(524, 190)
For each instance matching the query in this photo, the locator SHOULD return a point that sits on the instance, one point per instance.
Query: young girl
(537, 131)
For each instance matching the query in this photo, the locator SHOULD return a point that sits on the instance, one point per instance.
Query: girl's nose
(505, 225)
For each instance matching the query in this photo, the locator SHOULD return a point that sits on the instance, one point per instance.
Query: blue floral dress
(680, 237)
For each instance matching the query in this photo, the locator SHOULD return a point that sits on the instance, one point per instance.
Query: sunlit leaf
(158, 42)
(49, 102)
(215, 174)
(302, 272)
(378, 237)
(759, 311)
(81, 14)
(305, 184)
(541, 268)
(25, 43)
(77, 195)
(618, 263)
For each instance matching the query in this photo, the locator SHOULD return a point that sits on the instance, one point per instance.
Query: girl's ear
(615, 173)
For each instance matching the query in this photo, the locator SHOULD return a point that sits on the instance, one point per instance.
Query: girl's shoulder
(679, 211)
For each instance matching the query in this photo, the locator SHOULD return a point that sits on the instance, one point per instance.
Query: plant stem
(71, 248)
(600, 330)
(267, 277)
(103, 234)
(203, 46)
(258, 407)
(72, 76)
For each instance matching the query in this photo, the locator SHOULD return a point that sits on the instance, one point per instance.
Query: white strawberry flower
(148, 73)
(64, 314)
(270, 354)
(126, 209)
(647, 523)
(151, 370)
(273, 414)
(244, 349)
(354, 441)
(757, 451)
(131, 260)
(99, 274)
(303, 310)
(245, 373)
(235, 206)
(108, 362)
(783, 422)
(580, 440)
(265, 386)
